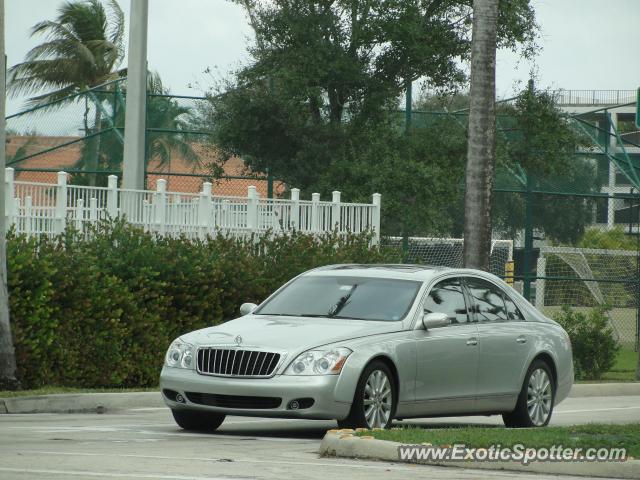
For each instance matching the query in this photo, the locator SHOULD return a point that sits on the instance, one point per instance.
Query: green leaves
(100, 310)
(592, 340)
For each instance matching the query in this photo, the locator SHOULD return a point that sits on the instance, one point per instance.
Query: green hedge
(100, 310)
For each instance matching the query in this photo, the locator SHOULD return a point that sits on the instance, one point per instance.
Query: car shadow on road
(311, 430)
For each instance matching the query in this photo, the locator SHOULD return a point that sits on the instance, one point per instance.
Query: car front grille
(234, 401)
(236, 363)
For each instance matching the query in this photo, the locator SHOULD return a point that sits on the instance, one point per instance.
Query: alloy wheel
(378, 399)
(539, 397)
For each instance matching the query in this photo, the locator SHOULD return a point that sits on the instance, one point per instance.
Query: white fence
(44, 209)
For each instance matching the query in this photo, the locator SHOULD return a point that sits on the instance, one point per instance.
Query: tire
(198, 421)
(376, 388)
(535, 401)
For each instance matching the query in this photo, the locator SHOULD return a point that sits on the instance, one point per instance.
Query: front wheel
(198, 421)
(374, 403)
(535, 402)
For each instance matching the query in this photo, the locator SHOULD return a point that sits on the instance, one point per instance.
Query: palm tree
(482, 132)
(83, 48)
(168, 126)
(168, 121)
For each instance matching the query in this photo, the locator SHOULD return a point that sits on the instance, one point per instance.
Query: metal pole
(408, 107)
(408, 111)
(7, 352)
(528, 238)
(269, 183)
(638, 287)
(135, 108)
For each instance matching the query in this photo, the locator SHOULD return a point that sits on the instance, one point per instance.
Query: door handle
(472, 341)
(521, 339)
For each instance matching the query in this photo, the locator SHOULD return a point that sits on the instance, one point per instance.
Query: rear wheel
(198, 421)
(535, 402)
(374, 403)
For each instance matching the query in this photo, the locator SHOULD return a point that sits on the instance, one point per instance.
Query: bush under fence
(99, 309)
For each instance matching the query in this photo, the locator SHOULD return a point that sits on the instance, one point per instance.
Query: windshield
(344, 297)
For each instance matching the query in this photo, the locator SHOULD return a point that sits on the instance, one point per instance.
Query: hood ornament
(238, 340)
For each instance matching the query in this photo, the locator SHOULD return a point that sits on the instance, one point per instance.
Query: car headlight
(179, 355)
(319, 362)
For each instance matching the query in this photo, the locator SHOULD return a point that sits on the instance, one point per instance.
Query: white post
(18, 217)
(112, 197)
(335, 211)
(160, 203)
(146, 215)
(135, 113)
(541, 271)
(377, 202)
(315, 217)
(28, 213)
(93, 210)
(79, 214)
(295, 209)
(205, 210)
(252, 208)
(61, 203)
(9, 195)
(226, 217)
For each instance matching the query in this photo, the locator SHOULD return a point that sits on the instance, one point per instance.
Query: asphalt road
(138, 444)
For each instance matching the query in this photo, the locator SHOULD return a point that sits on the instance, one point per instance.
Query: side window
(513, 312)
(487, 298)
(447, 297)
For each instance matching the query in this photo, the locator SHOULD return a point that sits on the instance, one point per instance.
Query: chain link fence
(84, 136)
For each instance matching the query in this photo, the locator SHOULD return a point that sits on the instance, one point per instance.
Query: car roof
(392, 270)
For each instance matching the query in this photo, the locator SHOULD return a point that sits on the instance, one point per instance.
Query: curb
(604, 389)
(342, 443)
(81, 402)
(103, 402)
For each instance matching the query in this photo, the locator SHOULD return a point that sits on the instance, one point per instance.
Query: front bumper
(320, 388)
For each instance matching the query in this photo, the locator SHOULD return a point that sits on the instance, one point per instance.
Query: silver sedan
(364, 344)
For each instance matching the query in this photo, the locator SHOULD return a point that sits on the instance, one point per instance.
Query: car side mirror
(435, 320)
(247, 308)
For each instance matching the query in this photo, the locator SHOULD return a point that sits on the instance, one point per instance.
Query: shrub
(594, 346)
(100, 309)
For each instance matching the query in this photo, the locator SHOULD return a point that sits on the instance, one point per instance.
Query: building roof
(62, 153)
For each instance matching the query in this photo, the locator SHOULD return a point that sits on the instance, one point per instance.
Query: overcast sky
(586, 44)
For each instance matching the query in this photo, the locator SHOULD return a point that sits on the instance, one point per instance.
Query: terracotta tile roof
(65, 157)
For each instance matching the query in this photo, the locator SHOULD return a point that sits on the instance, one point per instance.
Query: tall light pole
(135, 114)
(7, 352)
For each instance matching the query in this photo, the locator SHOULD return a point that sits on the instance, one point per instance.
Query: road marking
(378, 465)
(610, 409)
(85, 473)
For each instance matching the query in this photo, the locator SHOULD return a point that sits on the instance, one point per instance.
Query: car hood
(291, 334)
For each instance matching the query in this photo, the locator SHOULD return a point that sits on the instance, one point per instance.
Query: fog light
(179, 398)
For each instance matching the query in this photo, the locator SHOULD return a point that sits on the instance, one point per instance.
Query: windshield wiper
(333, 311)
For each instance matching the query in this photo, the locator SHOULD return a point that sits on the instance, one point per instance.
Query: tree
(83, 49)
(323, 74)
(536, 136)
(482, 131)
(168, 123)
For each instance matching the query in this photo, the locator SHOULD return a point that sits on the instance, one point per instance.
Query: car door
(502, 337)
(447, 357)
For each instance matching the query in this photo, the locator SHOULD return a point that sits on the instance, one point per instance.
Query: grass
(584, 436)
(624, 370)
(625, 366)
(54, 390)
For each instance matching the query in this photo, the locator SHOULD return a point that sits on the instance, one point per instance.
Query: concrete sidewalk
(81, 402)
(342, 443)
(109, 402)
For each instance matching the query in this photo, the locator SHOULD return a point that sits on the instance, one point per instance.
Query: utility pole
(135, 115)
(7, 352)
